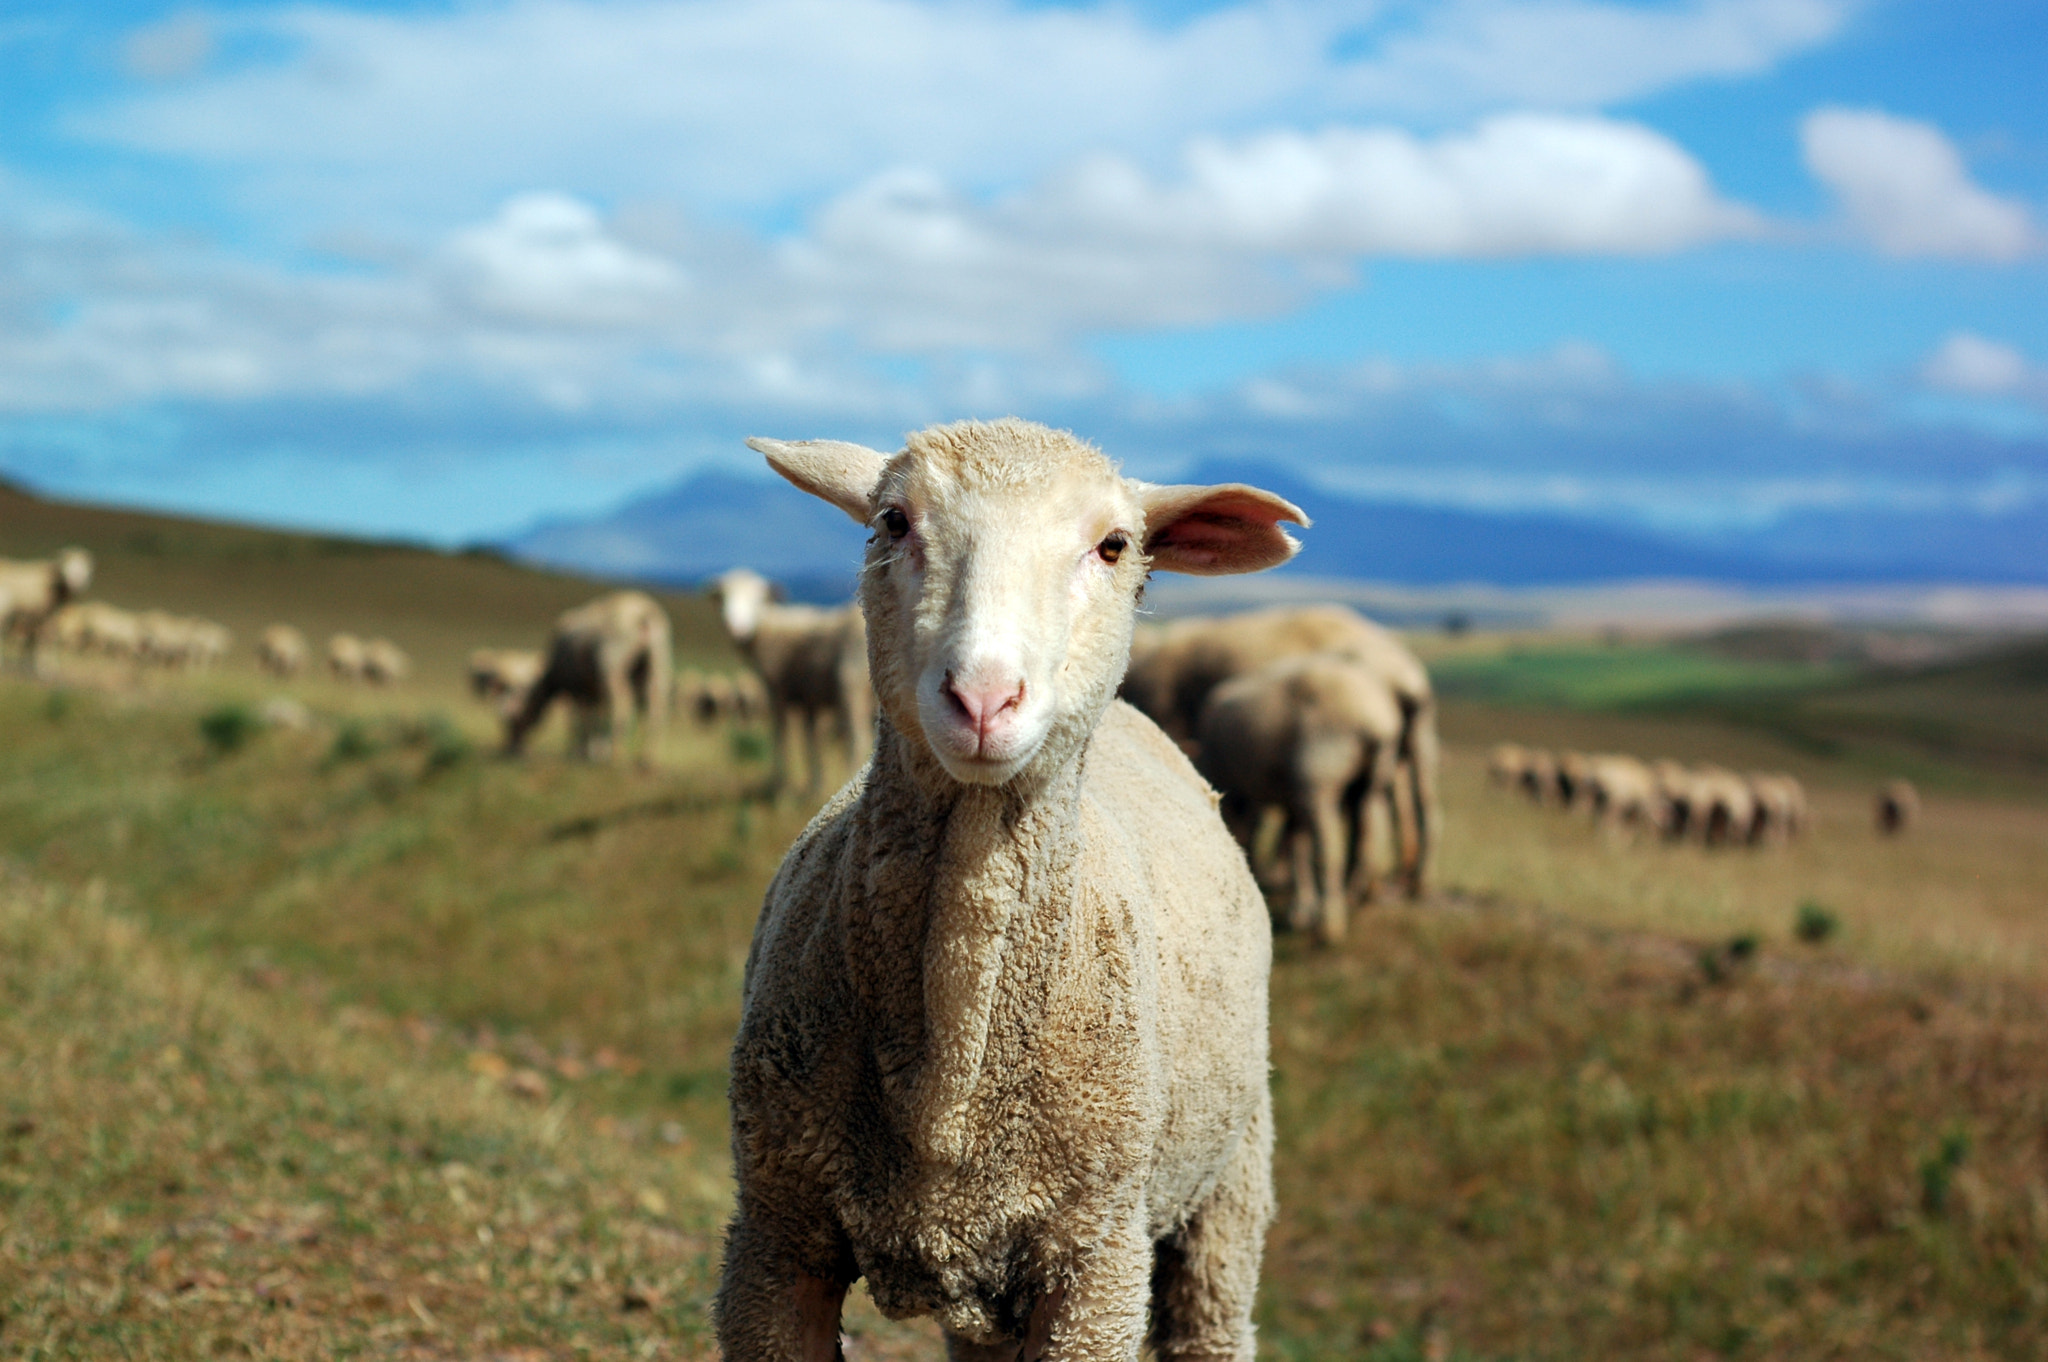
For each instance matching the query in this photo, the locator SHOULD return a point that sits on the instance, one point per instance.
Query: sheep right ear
(1213, 530)
(841, 473)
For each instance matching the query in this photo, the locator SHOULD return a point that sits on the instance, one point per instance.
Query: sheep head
(742, 594)
(1003, 576)
(74, 572)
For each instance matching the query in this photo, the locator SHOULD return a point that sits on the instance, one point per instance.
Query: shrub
(227, 727)
(1815, 922)
(1937, 1171)
(750, 744)
(352, 742)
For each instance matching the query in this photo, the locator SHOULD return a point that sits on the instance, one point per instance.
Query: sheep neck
(966, 873)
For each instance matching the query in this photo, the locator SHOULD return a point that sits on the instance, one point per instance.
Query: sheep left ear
(841, 473)
(1210, 531)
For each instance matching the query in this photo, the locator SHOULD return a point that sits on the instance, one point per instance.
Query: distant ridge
(714, 520)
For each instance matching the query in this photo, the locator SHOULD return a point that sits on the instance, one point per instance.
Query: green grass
(1596, 676)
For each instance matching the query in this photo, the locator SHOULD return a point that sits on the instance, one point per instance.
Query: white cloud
(547, 258)
(1968, 363)
(1905, 188)
(1520, 184)
(720, 103)
(170, 48)
(1571, 54)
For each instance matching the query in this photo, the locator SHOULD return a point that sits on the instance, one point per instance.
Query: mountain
(714, 520)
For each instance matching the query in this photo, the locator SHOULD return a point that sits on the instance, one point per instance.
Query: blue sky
(440, 269)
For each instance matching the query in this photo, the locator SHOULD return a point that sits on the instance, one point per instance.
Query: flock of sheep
(1711, 805)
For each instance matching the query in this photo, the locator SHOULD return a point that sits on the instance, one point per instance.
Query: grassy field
(359, 1041)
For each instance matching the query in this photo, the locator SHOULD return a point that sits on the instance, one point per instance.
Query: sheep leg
(1301, 843)
(771, 1310)
(1424, 758)
(1099, 1316)
(1327, 832)
(1361, 881)
(618, 706)
(814, 759)
(1205, 1278)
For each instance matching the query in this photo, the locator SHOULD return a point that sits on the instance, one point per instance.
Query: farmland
(355, 1039)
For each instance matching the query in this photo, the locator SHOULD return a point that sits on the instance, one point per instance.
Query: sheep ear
(1214, 530)
(841, 473)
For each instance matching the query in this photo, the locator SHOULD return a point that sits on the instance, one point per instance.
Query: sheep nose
(983, 700)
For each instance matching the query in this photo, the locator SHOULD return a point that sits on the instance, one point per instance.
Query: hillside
(435, 605)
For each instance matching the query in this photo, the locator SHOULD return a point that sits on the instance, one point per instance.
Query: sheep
(1898, 808)
(812, 664)
(1003, 1041)
(1780, 807)
(1620, 791)
(1504, 765)
(1569, 780)
(282, 651)
(501, 676)
(1539, 775)
(1187, 659)
(345, 657)
(1315, 736)
(385, 663)
(1719, 806)
(609, 658)
(33, 590)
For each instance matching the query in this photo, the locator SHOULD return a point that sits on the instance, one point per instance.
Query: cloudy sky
(440, 269)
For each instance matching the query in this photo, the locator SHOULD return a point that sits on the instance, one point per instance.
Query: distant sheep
(502, 676)
(282, 651)
(1898, 808)
(345, 657)
(1780, 807)
(385, 663)
(33, 590)
(1002, 1048)
(812, 664)
(610, 659)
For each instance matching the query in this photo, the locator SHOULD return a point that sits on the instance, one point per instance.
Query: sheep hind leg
(1204, 1278)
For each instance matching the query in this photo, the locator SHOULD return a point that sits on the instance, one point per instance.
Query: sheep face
(74, 570)
(1003, 575)
(742, 595)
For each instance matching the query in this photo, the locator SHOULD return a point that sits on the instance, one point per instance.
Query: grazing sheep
(1620, 791)
(1780, 811)
(1568, 781)
(1187, 659)
(1504, 766)
(1674, 797)
(1002, 1049)
(282, 651)
(33, 590)
(812, 664)
(1539, 775)
(345, 657)
(1898, 808)
(1720, 807)
(501, 676)
(610, 658)
(1315, 736)
(385, 663)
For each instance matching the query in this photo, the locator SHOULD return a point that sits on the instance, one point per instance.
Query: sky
(437, 271)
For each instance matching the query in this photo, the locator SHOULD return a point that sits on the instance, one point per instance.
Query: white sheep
(1003, 1050)
(609, 658)
(1172, 677)
(345, 657)
(282, 651)
(385, 663)
(1316, 737)
(33, 590)
(812, 663)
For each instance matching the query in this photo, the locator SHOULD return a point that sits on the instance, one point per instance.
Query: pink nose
(983, 702)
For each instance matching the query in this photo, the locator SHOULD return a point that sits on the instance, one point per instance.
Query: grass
(356, 1040)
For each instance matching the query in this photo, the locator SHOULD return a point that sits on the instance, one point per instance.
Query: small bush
(1938, 1170)
(1815, 922)
(352, 742)
(750, 744)
(227, 727)
(447, 745)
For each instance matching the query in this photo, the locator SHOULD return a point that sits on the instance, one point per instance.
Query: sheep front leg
(770, 1309)
(1205, 1278)
(1100, 1315)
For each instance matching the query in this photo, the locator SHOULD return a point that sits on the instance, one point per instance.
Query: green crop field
(358, 1040)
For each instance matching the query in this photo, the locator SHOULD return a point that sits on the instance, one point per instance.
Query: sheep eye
(1112, 548)
(895, 522)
